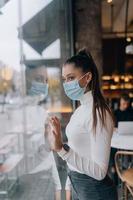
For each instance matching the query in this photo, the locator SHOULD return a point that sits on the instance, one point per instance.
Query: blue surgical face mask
(73, 90)
(39, 88)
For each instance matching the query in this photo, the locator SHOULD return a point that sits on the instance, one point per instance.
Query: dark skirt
(87, 188)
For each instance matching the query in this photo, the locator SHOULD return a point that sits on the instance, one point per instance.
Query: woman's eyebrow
(71, 74)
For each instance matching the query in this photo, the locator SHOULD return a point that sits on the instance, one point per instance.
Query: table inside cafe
(123, 142)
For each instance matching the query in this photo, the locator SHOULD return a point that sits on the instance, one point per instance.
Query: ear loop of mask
(82, 77)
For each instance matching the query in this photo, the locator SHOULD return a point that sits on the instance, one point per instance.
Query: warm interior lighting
(128, 86)
(127, 79)
(131, 95)
(122, 86)
(109, 1)
(60, 109)
(106, 77)
(128, 39)
(120, 82)
(122, 77)
(114, 87)
(116, 79)
(6, 73)
(105, 87)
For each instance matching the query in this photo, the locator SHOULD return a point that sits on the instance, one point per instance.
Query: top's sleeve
(96, 164)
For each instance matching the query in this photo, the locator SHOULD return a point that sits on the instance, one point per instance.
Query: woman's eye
(70, 78)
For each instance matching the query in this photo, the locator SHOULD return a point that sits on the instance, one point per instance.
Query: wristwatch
(66, 147)
(64, 151)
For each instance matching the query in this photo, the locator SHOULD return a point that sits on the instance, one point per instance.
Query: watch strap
(64, 152)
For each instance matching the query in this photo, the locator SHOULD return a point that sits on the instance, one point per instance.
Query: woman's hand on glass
(55, 139)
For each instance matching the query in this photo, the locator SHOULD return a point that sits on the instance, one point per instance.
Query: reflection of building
(3, 2)
(48, 32)
(17, 81)
(47, 26)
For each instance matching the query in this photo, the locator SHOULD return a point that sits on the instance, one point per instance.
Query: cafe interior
(36, 38)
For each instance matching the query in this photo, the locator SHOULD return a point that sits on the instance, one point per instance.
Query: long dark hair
(85, 61)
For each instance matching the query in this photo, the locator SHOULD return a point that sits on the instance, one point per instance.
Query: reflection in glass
(43, 40)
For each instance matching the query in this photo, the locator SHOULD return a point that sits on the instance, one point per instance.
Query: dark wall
(113, 55)
(87, 28)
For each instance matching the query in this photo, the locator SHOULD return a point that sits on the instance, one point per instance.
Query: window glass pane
(35, 40)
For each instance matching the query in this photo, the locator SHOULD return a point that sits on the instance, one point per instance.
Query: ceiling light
(128, 39)
(109, 1)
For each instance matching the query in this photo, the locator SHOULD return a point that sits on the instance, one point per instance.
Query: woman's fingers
(56, 119)
(54, 127)
(55, 122)
(54, 133)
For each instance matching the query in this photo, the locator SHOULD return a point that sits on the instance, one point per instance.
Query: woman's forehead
(71, 69)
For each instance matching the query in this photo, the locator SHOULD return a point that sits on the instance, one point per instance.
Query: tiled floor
(36, 187)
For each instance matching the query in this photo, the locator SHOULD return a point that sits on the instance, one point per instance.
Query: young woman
(89, 132)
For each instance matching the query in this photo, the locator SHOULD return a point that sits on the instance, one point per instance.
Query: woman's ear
(89, 77)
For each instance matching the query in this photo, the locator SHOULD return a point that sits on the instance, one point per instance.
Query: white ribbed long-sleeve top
(89, 152)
